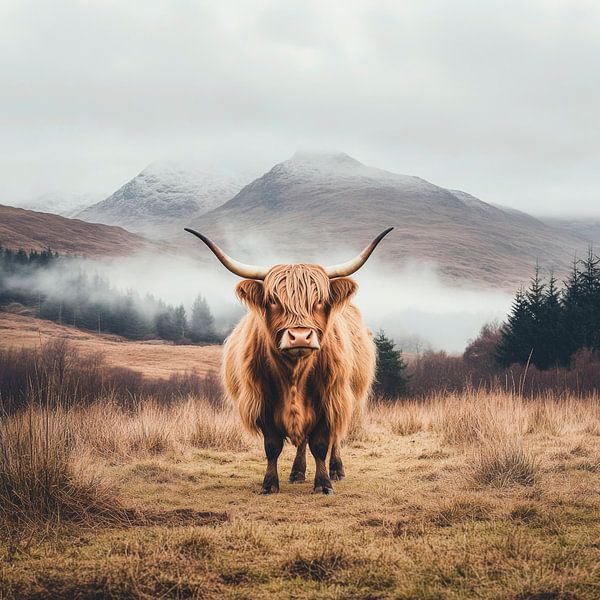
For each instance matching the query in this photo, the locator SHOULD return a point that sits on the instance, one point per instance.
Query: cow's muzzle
(299, 341)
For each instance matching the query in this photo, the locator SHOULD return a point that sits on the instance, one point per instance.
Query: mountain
(164, 197)
(315, 205)
(586, 229)
(30, 230)
(65, 205)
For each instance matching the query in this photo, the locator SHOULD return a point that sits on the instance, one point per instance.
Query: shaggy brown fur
(304, 398)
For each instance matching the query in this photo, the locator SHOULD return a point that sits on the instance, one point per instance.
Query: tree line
(56, 288)
(550, 340)
(547, 324)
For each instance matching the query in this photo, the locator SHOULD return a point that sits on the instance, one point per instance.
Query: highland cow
(301, 363)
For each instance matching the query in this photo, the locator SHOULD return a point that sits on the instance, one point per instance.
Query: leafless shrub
(439, 372)
(57, 374)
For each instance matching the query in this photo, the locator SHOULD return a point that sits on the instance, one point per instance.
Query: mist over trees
(202, 323)
(58, 289)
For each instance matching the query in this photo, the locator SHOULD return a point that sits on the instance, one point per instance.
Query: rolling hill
(152, 358)
(586, 229)
(30, 230)
(314, 205)
(161, 199)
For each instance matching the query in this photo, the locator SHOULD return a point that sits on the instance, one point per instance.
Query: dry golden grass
(43, 479)
(154, 359)
(482, 496)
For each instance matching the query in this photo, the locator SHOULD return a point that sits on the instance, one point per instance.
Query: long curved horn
(347, 268)
(238, 268)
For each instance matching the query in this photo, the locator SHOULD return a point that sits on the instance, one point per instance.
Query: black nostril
(292, 336)
(309, 334)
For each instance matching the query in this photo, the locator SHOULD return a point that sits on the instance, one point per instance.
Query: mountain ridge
(333, 197)
(161, 198)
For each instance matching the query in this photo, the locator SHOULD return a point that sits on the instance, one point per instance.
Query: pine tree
(589, 327)
(573, 306)
(582, 304)
(515, 344)
(391, 380)
(554, 346)
(180, 321)
(166, 324)
(202, 323)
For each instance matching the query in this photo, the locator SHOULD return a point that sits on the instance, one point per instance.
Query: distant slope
(586, 229)
(154, 359)
(164, 197)
(313, 205)
(20, 228)
(65, 205)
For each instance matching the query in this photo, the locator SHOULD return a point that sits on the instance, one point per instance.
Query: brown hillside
(154, 359)
(312, 206)
(20, 228)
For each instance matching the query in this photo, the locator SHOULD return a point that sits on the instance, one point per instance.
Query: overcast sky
(500, 99)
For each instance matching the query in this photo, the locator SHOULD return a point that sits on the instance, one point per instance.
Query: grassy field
(481, 496)
(155, 358)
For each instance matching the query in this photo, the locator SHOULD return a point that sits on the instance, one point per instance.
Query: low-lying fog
(412, 305)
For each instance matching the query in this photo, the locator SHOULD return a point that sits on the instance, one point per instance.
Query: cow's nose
(299, 337)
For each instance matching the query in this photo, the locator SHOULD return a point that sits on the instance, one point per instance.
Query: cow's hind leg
(319, 446)
(273, 447)
(298, 472)
(336, 466)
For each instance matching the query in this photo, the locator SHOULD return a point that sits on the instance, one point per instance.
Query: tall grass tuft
(476, 417)
(41, 477)
(214, 428)
(491, 426)
(503, 462)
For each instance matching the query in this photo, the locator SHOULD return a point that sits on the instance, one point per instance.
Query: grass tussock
(44, 479)
(502, 463)
(49, 469)
(153, 429)
(477, 417)
(318, 563)
(460, 510)
(546, 417)
(406, 418)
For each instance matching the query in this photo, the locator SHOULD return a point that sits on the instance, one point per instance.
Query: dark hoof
(336, 476)
(270, 489)
(296, 477)
(324, 489)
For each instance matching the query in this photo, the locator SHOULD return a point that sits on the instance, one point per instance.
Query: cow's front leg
(336, 466)
(298, 472)
(319, 446)
(273, 447)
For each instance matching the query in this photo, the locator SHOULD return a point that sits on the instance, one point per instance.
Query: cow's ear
(341, 290)
(250, 292)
